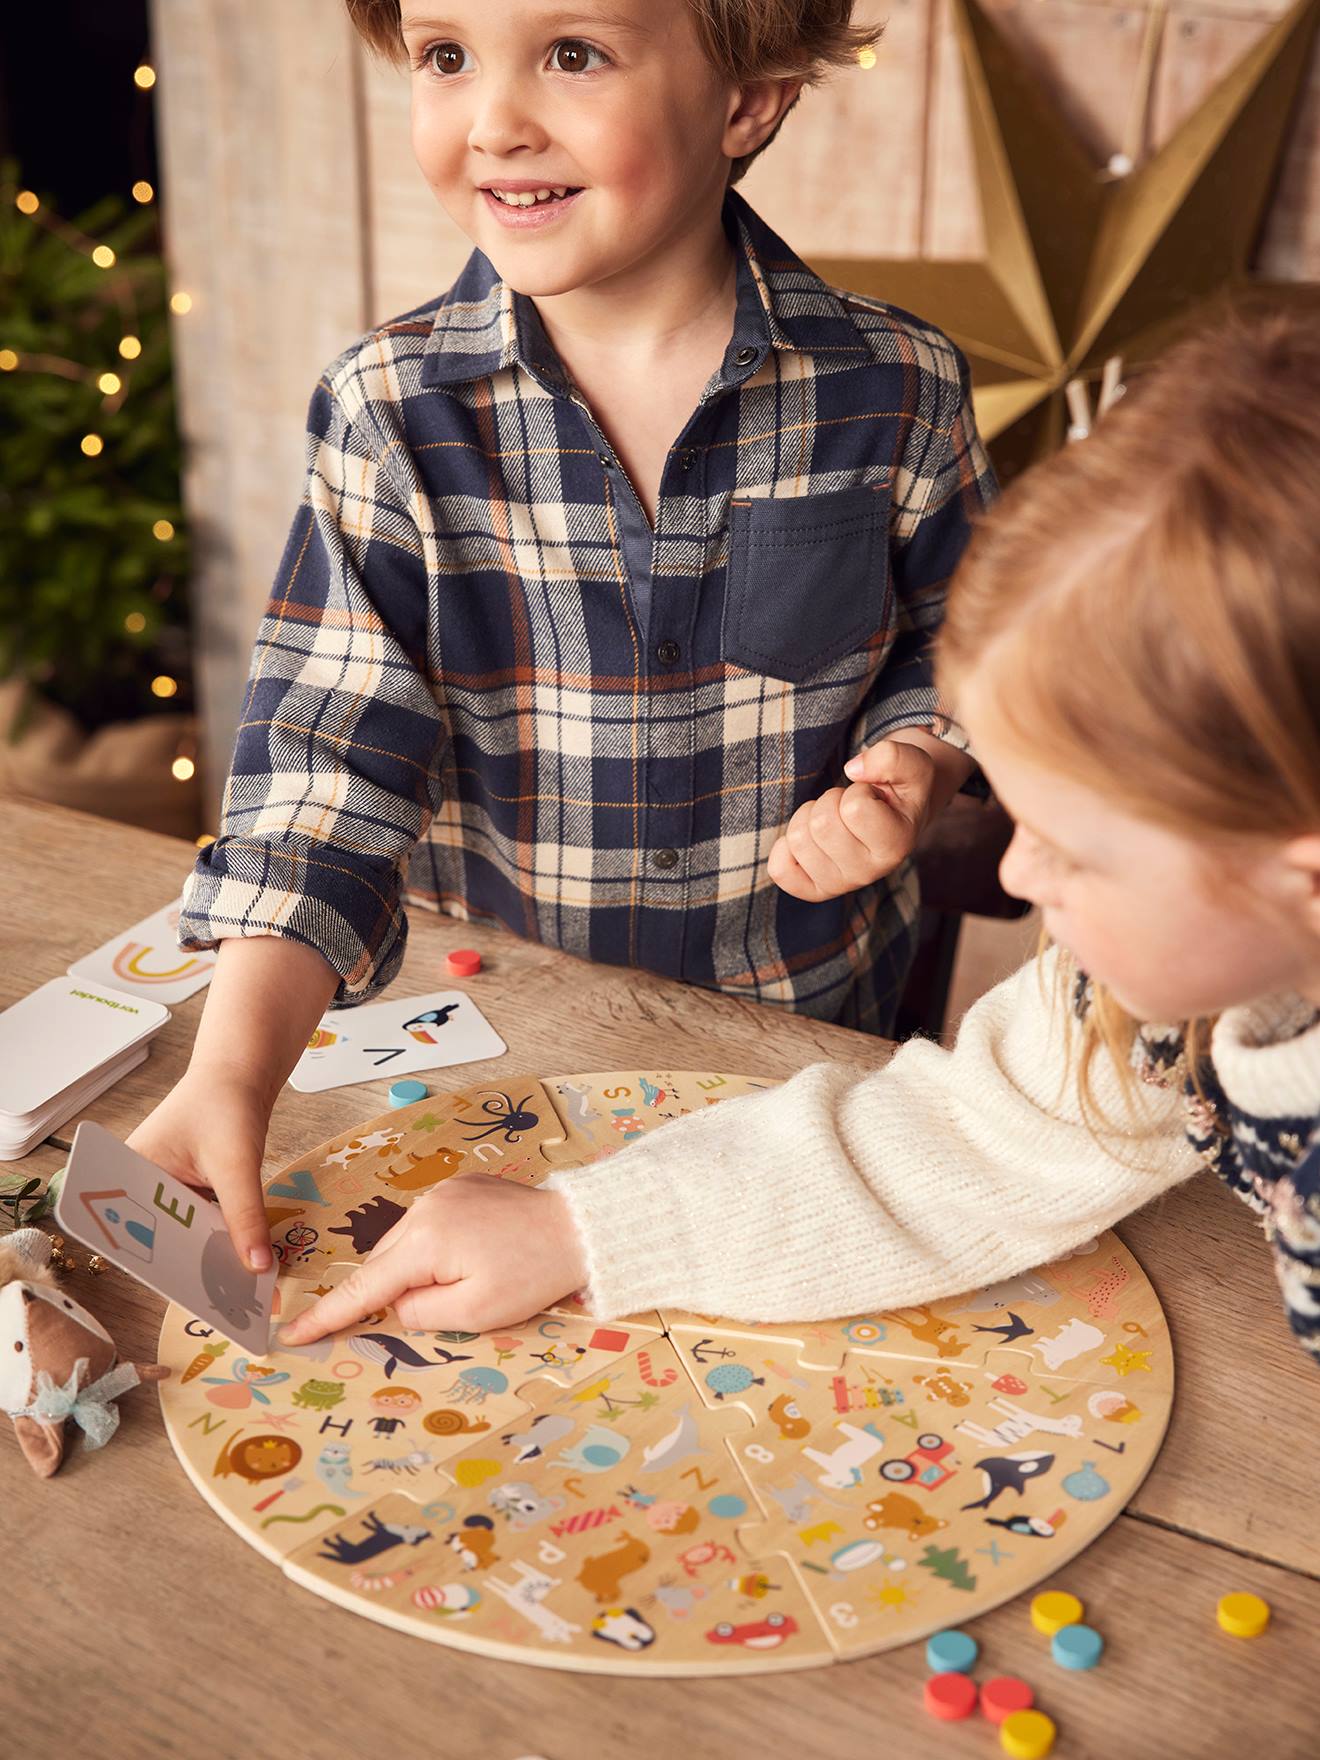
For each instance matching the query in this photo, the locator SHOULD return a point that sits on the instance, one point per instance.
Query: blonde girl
(1133, 644)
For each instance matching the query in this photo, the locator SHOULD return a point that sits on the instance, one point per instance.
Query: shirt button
(745, 357)
(667, 653)
(664, 858)
(687, 459)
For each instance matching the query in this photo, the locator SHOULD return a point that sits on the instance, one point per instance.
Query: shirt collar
(482, 326)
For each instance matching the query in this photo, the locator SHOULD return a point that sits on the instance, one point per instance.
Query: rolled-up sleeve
(945, 479)
(336, 763)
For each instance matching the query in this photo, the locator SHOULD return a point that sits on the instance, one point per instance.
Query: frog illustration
(319, 1396)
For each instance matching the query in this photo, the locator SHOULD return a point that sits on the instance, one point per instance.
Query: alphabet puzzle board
(672, 1494)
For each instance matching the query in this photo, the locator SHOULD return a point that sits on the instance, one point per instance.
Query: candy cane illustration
(377, 1585)
(584, 1520)
(644, 1369)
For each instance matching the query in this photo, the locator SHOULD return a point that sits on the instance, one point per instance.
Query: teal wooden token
(951, 1653)
(404, 1093)
(1077, 1646)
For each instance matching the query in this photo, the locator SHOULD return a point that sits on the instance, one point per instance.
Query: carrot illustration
(204, 1358)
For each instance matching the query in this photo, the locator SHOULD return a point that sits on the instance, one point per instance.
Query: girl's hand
(210, 1130)
(853, 836)
(473, 1254)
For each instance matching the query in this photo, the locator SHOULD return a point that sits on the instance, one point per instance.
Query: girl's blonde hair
(744, 40)
(1145, 606)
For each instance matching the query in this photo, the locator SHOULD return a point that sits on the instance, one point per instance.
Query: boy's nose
(502, 120)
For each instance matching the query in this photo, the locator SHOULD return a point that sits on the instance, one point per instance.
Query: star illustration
(891, 1595)
(1125, 1360)
(1084, 264)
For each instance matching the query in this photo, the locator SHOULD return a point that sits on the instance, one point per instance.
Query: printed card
(394, 1039)
(147, 960)
(61, 1032)
(163, 1232)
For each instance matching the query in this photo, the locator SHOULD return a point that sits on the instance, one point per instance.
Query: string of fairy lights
(113, 382)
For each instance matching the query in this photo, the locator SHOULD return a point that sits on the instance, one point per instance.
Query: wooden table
(139, 1625)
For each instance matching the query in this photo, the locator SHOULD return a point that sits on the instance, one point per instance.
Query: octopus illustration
(511, 1118)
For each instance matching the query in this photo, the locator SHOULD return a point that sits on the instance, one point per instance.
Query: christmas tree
(92, 552)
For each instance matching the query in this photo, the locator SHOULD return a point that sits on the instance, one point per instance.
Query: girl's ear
(1302, 856)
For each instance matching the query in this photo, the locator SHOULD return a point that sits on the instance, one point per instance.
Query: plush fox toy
(56, 1361)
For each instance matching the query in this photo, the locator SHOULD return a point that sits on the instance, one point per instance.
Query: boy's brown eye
(446, 57)
(571, 57)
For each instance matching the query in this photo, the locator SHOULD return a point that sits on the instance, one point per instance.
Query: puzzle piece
(882, 1485)
(604, 1111)
(1028, 1325)
(309, 1427)
(617, 1534)
(334, 1204)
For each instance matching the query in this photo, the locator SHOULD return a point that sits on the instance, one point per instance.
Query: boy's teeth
(527, 198)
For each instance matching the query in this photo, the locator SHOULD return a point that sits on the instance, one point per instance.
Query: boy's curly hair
(744, 40)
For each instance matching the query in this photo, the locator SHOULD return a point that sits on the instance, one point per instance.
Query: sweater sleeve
(844, 1192)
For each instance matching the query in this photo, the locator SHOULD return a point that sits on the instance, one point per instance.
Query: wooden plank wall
(296, 217)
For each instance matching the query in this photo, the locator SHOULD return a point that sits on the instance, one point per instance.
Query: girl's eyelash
(424, 62)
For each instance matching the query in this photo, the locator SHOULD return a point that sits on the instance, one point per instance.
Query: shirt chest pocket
(808, 579)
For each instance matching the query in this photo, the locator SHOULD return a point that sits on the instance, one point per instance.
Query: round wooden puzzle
(670, 1494)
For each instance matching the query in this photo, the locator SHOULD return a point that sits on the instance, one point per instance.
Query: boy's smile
(528, 204)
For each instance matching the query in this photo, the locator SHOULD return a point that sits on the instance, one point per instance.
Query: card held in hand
(165, 1233)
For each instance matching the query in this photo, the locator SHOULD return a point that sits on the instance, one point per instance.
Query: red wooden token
(1003, 1694)
(464, 962)
(950, 1696)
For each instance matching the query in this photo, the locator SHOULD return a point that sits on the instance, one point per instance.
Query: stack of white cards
(62, 1046)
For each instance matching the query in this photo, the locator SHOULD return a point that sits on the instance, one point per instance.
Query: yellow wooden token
(1244, 1616)
(1027, 1735)
(1054, 1610)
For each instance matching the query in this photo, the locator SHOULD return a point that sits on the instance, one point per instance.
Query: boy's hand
(210, 1131)
(853, 836)
(473, 1254)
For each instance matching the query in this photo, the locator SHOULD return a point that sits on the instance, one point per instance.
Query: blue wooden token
(404, 1093)
(951, 1653)
(1077, 1646)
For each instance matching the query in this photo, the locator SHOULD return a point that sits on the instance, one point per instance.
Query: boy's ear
(757, 110)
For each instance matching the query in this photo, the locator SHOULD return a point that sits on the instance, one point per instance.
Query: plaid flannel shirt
(485, 684)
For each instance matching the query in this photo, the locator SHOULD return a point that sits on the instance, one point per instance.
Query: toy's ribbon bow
(91, 1407)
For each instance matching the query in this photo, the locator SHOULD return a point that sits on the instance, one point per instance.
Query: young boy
(608, 560)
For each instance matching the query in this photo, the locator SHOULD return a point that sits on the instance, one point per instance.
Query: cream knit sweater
(845, 1192)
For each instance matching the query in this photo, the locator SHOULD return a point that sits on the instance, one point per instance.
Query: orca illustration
(1009, 1472)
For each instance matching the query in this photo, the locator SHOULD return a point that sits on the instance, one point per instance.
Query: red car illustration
(762, 1634)
(925, 1464)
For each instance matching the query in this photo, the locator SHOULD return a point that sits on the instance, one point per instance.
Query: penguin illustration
(1031, 1527)
(1009, 1472)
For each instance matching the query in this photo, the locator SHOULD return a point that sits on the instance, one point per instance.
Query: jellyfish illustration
(474, 1384)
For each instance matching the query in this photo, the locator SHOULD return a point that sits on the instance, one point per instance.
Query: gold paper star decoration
(1083, 265)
